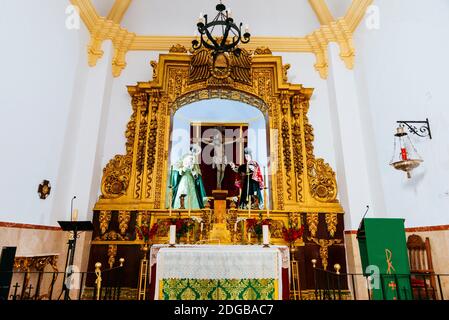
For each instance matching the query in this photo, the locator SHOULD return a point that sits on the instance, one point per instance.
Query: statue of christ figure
(219, 159)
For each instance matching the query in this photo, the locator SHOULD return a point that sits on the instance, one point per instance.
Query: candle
(247, 28)
(201, 227)
(265, 232)
(172, 234)
(201, 18)
(265, 192)
(235, 227)
(404, 153)
(75, 215)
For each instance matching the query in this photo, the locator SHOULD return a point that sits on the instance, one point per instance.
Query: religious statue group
(186, 181)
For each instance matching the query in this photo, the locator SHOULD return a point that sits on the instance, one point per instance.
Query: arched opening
(221, 133)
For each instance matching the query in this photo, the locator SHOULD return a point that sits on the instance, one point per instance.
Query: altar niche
(138, 179)
(220, 135)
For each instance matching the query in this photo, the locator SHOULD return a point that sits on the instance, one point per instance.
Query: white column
(80, 168)
(357, 168)
(88, 169)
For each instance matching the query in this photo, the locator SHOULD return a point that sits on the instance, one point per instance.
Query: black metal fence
(355, 286)
(36, 285)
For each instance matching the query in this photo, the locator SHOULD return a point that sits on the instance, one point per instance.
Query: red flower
(144, 232)
(250, 223)
(292, 234)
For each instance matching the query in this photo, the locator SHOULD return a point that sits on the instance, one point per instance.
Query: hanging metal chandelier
(221, 34)
(405, 157)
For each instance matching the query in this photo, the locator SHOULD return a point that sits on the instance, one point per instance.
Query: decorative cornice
(322, 11)
(332, 30)
(356, 12)
(87, 12)
(118, 10)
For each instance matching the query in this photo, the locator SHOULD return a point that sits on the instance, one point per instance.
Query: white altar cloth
(218, 262)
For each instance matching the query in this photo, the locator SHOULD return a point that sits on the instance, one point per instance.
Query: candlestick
(172, 235)
(170, 193)
(265, 193)
(248, 196)
(189, 204)
(265, 232)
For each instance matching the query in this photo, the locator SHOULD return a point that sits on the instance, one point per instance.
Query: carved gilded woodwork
(138, 179)
(331, 222)
(276, 228)
(312, 223)
(285, 68)
(324, 248)
(111, 236)
(116, 176)
(123, 220)
(177, 48)
(112, 253)
(104, 219)
(323, 186)
(262, 50)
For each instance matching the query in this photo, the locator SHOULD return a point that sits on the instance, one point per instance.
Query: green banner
(383, 252)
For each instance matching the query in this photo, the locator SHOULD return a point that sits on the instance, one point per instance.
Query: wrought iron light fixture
(422, 131)
(405, 157)
(221, 34)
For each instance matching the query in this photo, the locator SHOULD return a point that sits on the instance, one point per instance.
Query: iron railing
(42, 285)
(356, 286)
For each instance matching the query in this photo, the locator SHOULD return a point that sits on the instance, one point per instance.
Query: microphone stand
(70, 255)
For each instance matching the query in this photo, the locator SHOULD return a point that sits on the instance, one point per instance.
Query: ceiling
(289, 18)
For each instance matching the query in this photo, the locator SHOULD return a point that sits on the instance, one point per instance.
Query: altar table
(219, 272)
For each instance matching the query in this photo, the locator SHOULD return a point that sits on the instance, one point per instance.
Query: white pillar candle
(265, 232)
(172, 234)
(75, 215)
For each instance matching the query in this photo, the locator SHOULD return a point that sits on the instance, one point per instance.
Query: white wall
(401, 71)
(265, 17)
(39, 60)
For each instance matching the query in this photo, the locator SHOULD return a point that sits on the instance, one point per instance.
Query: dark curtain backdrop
(234, 153)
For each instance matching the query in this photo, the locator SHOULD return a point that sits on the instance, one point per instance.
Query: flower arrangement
(144, 232)
(183, 225)
(293, 232)
(255, 225)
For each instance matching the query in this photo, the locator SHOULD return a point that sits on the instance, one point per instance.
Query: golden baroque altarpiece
(302, 187)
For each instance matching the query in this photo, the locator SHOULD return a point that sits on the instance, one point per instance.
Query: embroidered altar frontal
(230, 273)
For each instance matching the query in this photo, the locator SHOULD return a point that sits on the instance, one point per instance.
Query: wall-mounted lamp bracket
(419, 128)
